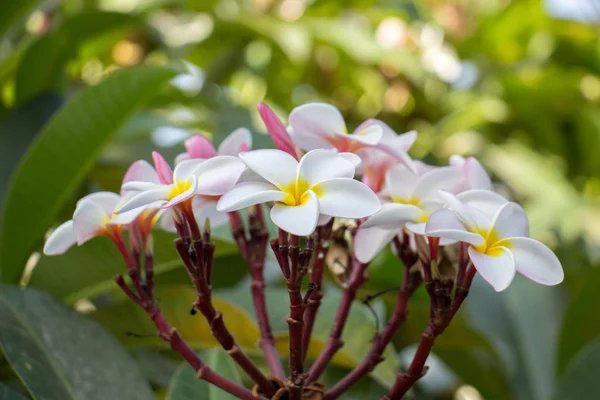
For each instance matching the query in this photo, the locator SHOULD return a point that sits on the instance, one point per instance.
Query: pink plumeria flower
(321, 126)
(410, 199)
(498, 233)
(210, 177)
(279, 133)
(474, 175)
(320, 184)
(199, 147)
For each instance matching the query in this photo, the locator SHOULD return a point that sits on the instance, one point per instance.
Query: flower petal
(311, 142)
(247, 194)
(236, 142)
(473, 219)
(511, 221)
(183, 196)
(444, 178)
(486, 201)
(158, 193)
(444, 223)
(320, 165)
(163, 169)
(199, 146)
(416, 228)
(276, 166)
(136, 186)
(369, 242)
(353, 158)
(60, 240)
(346, 198)
(317, 119)
(186, 168)
(498, 270)
(387, 133)
(207, 209)
(476, 176)
(141, 171)
(393, 216)
(535, 261)
(281, 137)
(218, 174)
(400, 182)
(106, 200)
(298, 220)
(370, 135)
(89, 220)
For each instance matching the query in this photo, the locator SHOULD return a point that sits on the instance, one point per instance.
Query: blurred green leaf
(580, 380)
(186, 386)
(13, 11)
(89, 270)
(60, 354)
(366, 388)
(157, 367)
(63, 153)
(578, 328)
(8, 393)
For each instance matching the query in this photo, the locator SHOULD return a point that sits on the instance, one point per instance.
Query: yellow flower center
(180, 187)
(490, 247)
(296, 192)
(413, 201)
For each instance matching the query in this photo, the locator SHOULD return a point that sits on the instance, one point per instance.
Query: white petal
(89, 220)
(456, 160)
(476, 176)
(185, 195)
(369, 242)
(353, 158)
(204, 210)
(218, 174)
(511, 221)
(473, 219)
(298, 220)
(400, 181)
(498, 270)
(310, 142)
(486, 201)
(320, 165)
(318, 119)
(61, 239)
(141, 171)
(106, 200)
(324, 219)
(444, 178)
(236, 142)
(127, 217)
(444, 223)
(370, 135)
(393, 216)
(247, 194)
(346, 198)
(167, 224)
(137, 186)
(416, 228)
(387, 133)
(144, 198)
(181, 157)
(535, 261)
(186, 168)
(276, 166)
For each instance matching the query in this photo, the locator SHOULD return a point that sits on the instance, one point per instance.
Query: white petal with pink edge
(476, 176)
(511, 221)
(370, 135)
(486, 201)
(204, 210)
(137, 186)
(158, 193)
(320, 165)
(311, 142)
(346, 198)
(247, 194)
(443, 178)
(444, 223)
(368, 242)
(185, 169)
(318, 119)
(218, 174)
(236, 142)
(472, 218)
(298, 220)
(141, 171)
(106, 200)
(400, 181)
(353, 158)
(393, 216)
(60, 240)
(89, 220)
(535, 261)
(498, 270)
(276, 166)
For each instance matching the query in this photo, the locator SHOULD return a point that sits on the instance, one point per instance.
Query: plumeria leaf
(8, 393)
(13, 11)
(186, 386)
(60, 354)
(63, 153)
(580, 380)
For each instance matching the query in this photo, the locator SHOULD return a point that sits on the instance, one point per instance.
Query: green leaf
(578, 329)
(176, 302)
(12, 11)
(8, 393)
(366, 388)
(63, 153)
(186, 386)
(60, 354)
(89, 270)
(580, 380)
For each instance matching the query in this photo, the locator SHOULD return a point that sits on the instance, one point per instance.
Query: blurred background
(514, 83)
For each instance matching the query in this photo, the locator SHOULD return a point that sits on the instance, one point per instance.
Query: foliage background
(84, 92)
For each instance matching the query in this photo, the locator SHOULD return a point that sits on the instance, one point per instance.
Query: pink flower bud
(165, 173)
(199, 147)
(277, 130)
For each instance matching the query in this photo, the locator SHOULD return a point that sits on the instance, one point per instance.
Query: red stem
(295, 320)
(334, 342)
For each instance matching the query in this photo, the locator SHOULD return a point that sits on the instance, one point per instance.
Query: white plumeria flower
(474, 175)
(199, 147)
(191, 82)
(498, 233)
(320, 184)
(321, 126)
(411, 199)
(210, 177)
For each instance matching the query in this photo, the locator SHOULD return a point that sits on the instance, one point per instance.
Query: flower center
(489, 247)
(180, 187)
(413, 201)
(296, 193)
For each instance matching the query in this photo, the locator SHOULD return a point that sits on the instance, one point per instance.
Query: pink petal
(277, 130)
(164, 171)
(199, 147)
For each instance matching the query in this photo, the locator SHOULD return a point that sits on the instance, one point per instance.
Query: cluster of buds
(445, 224)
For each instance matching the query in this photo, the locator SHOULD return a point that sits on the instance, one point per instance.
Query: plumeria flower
(210, 177)
(320, 184)
(410, 199)
(200, 147)
(474, 175)
(499, 244)
(279, 133)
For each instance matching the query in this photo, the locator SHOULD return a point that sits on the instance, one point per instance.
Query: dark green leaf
(580, 380)
(8, 393)
(13, 11)
(60, 354)
(63, 153)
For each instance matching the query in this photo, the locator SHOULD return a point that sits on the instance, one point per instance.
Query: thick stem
(335, 342)
(295, 320)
